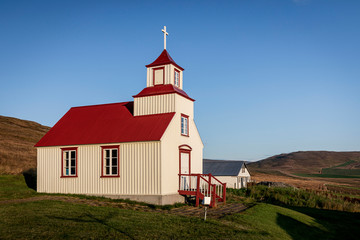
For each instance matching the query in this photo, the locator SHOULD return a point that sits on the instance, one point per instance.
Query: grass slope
(57, 220)
(305, 162)
(17, 140)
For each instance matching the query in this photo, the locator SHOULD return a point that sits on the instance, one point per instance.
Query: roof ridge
(162, 89)
(219, 160)
(156, 114)
(164, 58)
(97, 105)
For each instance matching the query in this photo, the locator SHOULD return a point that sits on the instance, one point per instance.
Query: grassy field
(325, 175)
(59, 219)
(299, 198)
(14, 187)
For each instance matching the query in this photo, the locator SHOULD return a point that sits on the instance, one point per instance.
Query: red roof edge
(163, 59)
(162, 89)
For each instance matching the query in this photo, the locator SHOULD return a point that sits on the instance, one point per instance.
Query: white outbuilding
(234, 173)
(146, 150)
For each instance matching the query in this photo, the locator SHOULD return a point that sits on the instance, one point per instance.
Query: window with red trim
(177, 78)
(110, 161)
(69, 162)
(158, 76)
(184, 125)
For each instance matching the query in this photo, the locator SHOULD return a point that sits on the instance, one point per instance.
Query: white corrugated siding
(164, 103)
(139, 171)
(172, 139)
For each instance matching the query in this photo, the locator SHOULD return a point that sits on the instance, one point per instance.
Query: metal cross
(165, 33)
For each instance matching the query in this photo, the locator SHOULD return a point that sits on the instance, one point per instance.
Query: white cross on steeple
(165, 33)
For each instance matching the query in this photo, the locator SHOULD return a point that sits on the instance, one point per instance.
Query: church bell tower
(164, 87)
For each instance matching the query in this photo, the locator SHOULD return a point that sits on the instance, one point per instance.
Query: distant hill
(17, 140)
(308, 161)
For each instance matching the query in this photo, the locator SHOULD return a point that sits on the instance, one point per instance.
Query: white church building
(146, 150)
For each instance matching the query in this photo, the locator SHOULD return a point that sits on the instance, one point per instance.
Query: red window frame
(176, 71)
(76, 162)
(155, 69)
(102, 161)
(187, 117)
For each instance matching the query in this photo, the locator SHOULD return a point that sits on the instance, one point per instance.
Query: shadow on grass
(331, 224)
(298, 230)
(30, 177)
(90, 218)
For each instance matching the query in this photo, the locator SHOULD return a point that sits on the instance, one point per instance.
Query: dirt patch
(218, 212)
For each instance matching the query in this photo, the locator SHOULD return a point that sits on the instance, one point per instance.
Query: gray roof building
(222, 167)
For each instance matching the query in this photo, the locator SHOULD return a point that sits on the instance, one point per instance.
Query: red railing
(201, 186)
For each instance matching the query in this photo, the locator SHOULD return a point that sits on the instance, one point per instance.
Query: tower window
(177, 78)
(184, 125)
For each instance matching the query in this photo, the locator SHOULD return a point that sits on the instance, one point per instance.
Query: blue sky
(269, 77)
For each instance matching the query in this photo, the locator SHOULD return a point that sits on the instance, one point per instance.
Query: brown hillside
(304, 162)
(17, 140)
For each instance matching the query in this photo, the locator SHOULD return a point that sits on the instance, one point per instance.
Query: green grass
(48, 219)
(344, 164)
(344, 172)
(57, 220)
(295, 197)
(14, 187)
(298, 223)
(325, 175)
(336, 171)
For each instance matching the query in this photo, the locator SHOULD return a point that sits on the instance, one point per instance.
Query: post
(205, 213)
(197, 190)
(209, 182)
(213, 196)
(224, 193)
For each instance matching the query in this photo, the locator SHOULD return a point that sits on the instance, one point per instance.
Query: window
(243, 170)
(110, 161)
(69, 162)
(184, 125)
(158, 76)
(177, 78)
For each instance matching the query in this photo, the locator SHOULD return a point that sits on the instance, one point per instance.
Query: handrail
(216, 190)
(216, 179)
(205, 180)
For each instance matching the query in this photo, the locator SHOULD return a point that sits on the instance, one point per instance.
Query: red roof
(164, 58)
(162, 89)
(107, 123)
